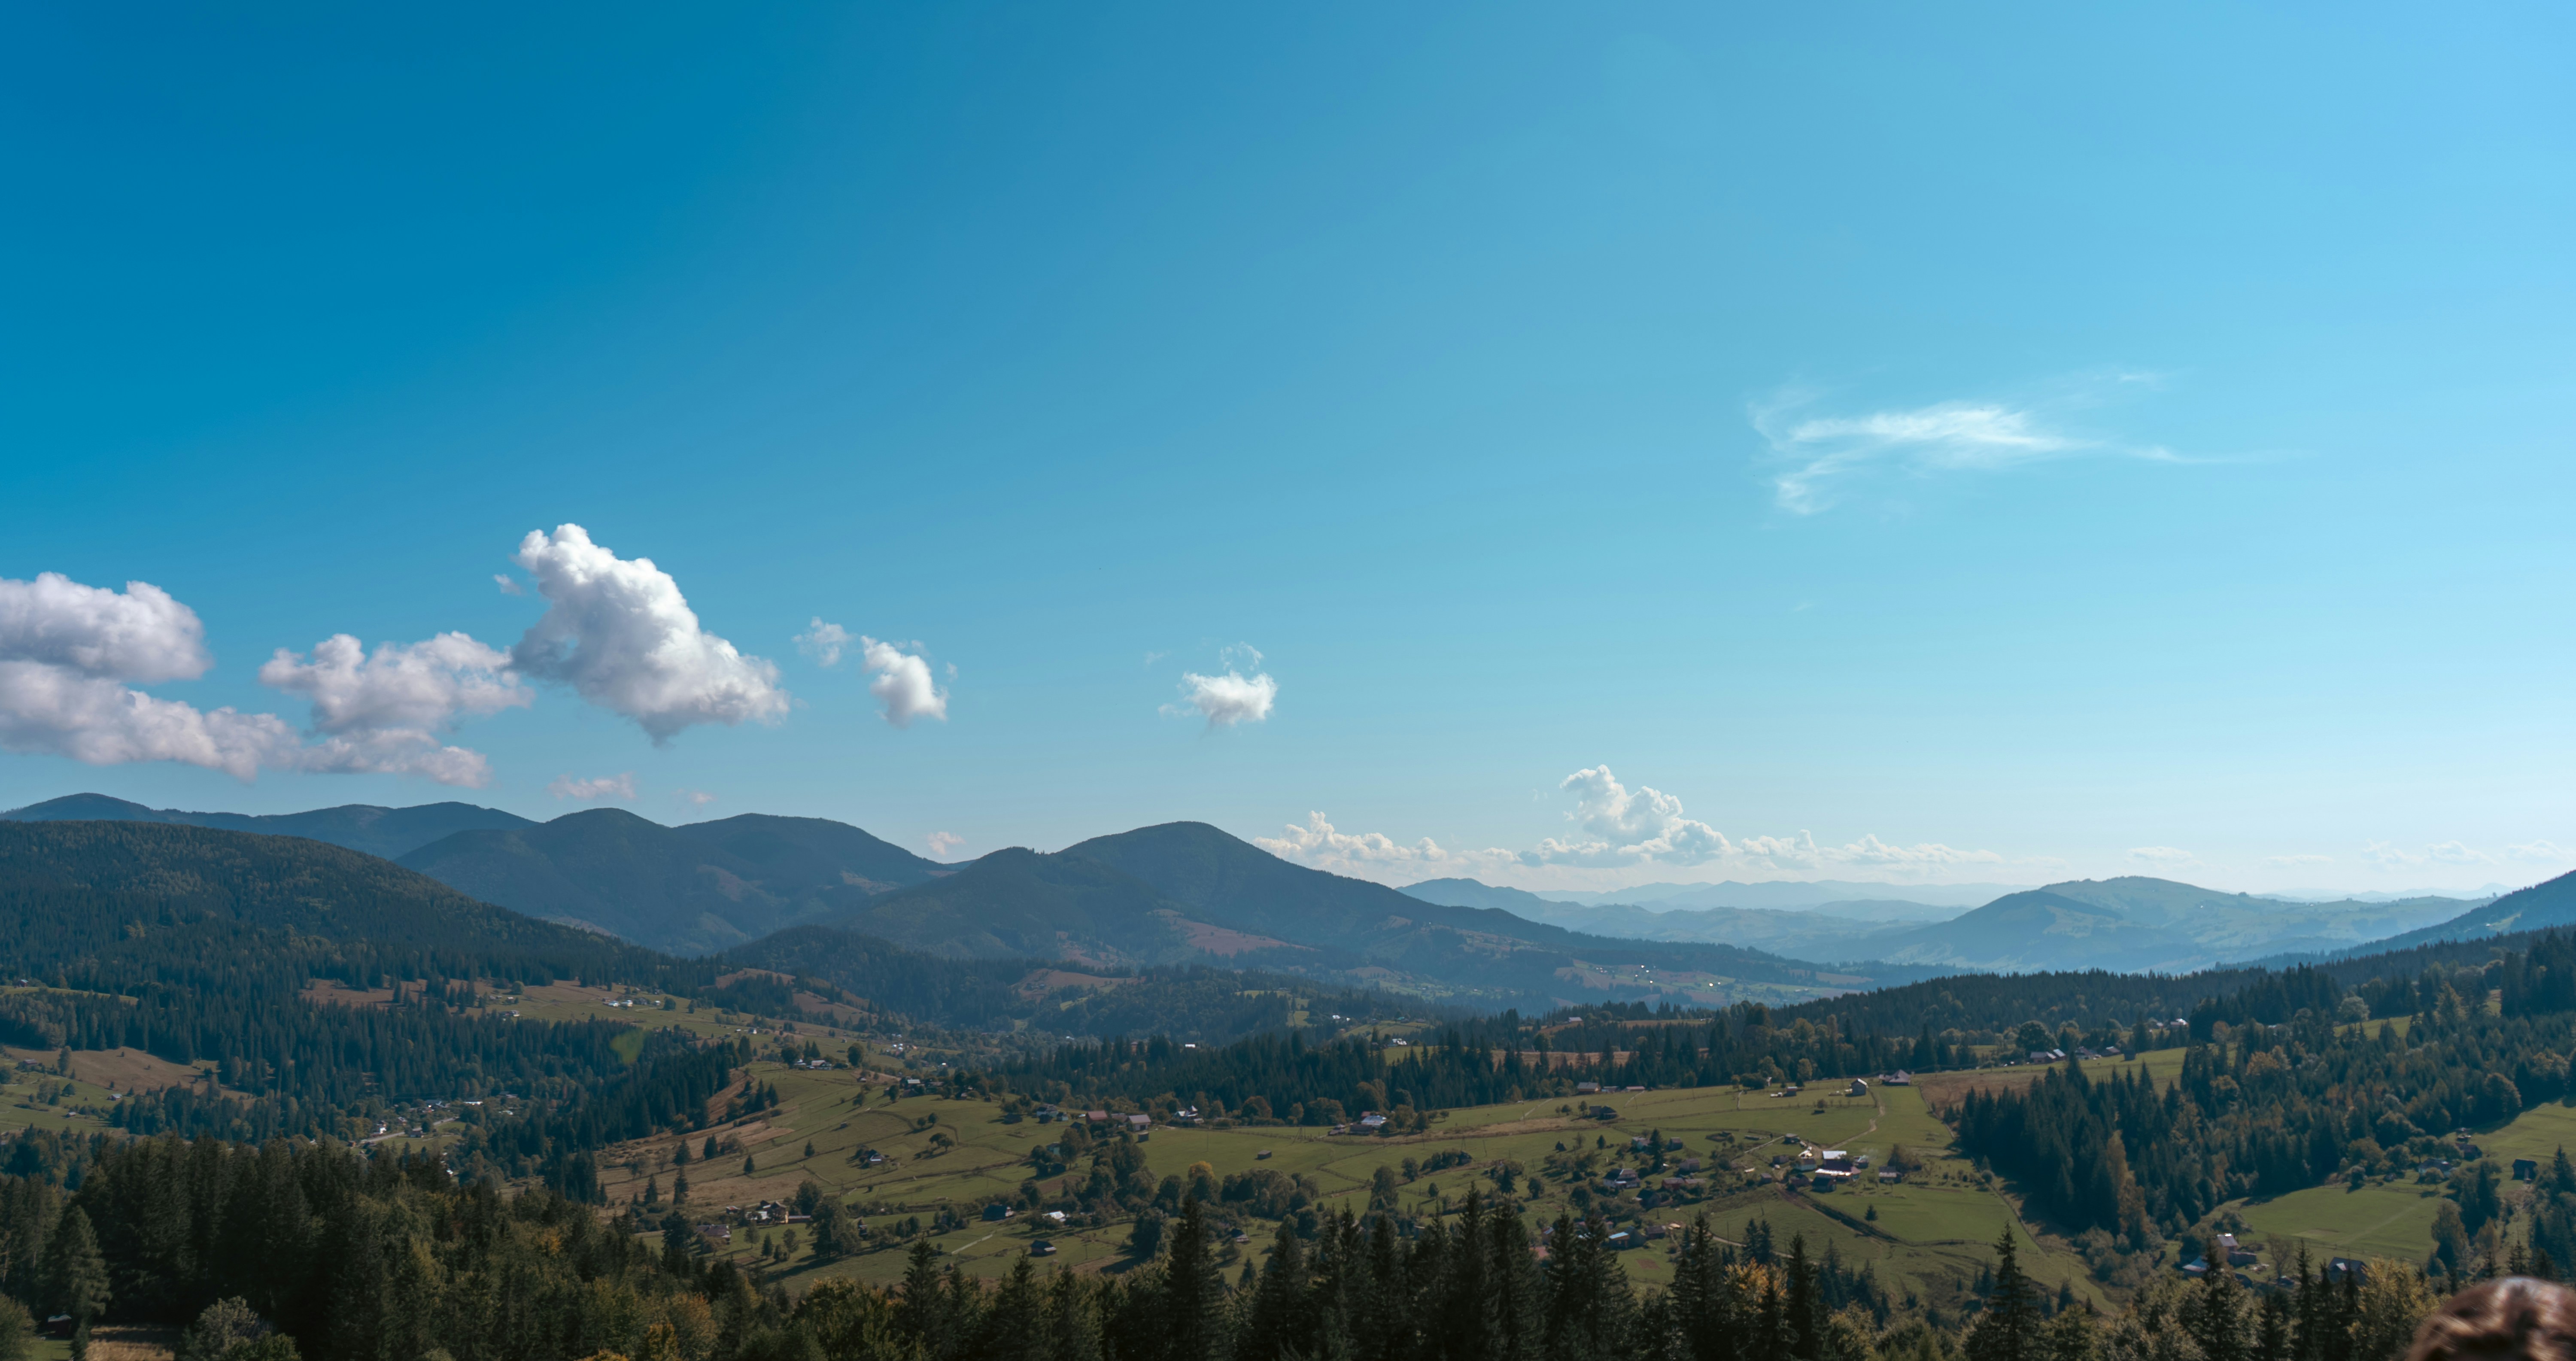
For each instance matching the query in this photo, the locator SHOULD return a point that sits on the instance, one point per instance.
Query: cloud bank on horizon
(1623, 829)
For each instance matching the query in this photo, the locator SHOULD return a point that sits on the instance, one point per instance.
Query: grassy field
(1931, 1233)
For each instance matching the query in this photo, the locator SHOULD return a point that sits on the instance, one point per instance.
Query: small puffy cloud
(1229, 699)
(69, 654)
(696, 798)
(2546, 852)
(619, 632)
(824, 642)
(2288, 861)
(902, 683)
(2458, 853)
(2162, 855)
(1869, 850)
(1320, 845)
(2390, 856)
(509, 584)
(384, 713)
(594, 789)
(941, 843)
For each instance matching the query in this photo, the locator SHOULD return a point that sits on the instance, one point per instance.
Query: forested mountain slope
(387, 832)
(686, 890)
(1187, 892)
(2541, 906)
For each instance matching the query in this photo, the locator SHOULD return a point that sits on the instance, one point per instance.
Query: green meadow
(1930, 1234)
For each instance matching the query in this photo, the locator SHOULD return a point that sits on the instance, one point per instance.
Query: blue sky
(1992, 443)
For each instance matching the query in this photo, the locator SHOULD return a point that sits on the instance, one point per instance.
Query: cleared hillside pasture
(1933, 1232)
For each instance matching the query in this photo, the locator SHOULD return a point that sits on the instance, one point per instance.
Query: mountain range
(1786, 895)
(2130, 924)
(1183, 893)
(687, 890)
(1190, 894)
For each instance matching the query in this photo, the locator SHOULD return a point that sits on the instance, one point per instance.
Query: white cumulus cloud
(69, 655)
(824, 642)
(593, 789)
(2162, 855)
(902, 683)
(697, 798)
(384, 713)
(941, 843)
(1622, 826)
(1318, 844)
(619, 632)
(2547, 852)
(1229, 699)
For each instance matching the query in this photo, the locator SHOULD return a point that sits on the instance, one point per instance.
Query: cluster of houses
(2108, 1051)
(2246, 1264)
(1047, 1115)
(1824, 1168)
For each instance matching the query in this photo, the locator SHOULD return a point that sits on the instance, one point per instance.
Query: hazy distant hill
(1792, 895)
(2132, 922)
(687, 890)
(387, 832)
(1819, 933)
(2135, 922)
(2543, 905)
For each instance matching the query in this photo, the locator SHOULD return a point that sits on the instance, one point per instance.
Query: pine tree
(2272, 1338)
(1274, 1324)
(79, 1272)
(1806, 1319)
(1191, 1288)
(920, 1310)
(2215, 1315)
(2009, 1328)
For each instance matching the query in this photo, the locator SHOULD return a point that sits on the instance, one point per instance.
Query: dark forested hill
(815, 851)
(688, 890)
(1184, 1003)
(1022, 904)
(106, 874)
(388, 832)
(1187, 892)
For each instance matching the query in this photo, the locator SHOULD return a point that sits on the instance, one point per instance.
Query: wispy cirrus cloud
(592, 790)
(1816, 456)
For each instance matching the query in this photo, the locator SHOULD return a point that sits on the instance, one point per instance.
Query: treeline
(2265, 1107)
(1190, 1003)
(1475, 1063)
(359, 1259)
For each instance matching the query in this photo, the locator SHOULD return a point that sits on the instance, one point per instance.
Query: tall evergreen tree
(79, 1273)
(1192, 1290)
(2008, 1330)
